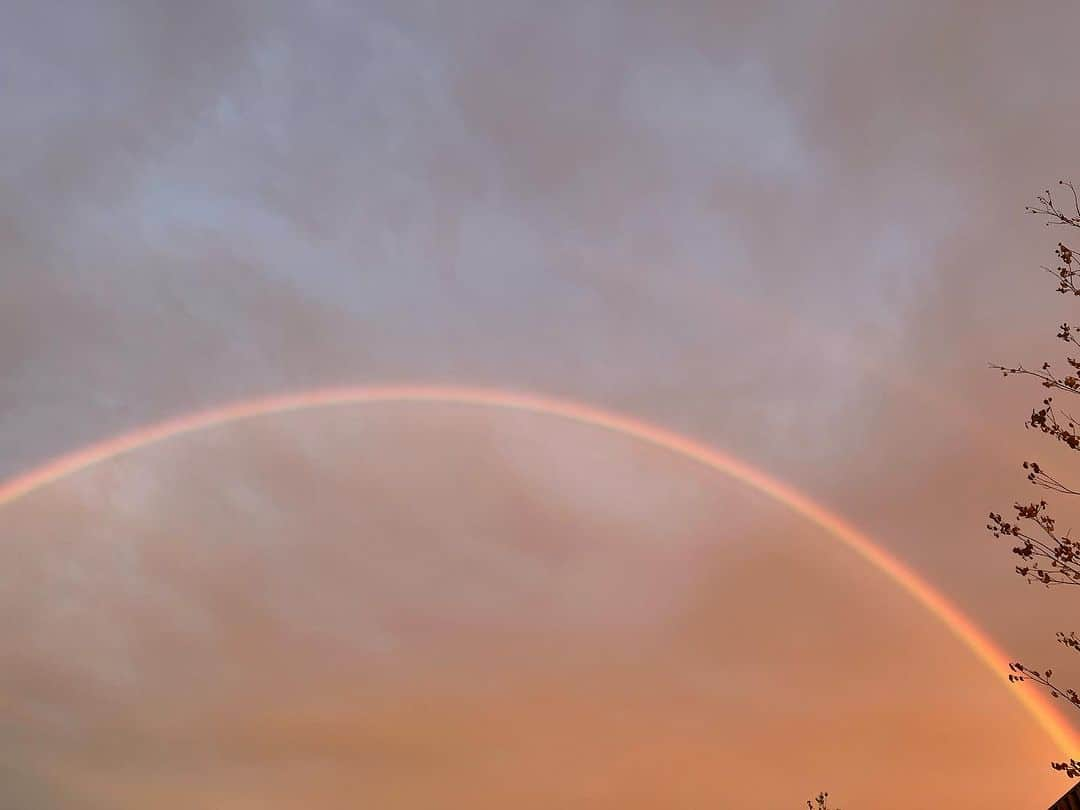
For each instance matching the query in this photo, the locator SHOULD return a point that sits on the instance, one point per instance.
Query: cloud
(794, 230)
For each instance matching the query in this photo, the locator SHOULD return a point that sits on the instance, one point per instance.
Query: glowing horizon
(962, 628)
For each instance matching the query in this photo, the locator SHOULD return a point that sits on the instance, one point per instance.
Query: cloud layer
(791, 229)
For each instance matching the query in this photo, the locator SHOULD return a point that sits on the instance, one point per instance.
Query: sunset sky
(790, 233)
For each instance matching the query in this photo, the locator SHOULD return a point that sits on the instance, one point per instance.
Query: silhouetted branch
(1050, 559)
(1049, 556)
(820, 802)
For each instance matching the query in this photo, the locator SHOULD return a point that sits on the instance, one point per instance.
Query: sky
(794, 231)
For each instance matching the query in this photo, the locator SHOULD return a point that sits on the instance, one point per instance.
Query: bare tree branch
(1048, 556)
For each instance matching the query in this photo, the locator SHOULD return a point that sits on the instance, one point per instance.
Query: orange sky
(415, 604)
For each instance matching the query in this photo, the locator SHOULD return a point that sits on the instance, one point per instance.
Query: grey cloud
(791, 229)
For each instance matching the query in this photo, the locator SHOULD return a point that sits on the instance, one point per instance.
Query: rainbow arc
(969, 634)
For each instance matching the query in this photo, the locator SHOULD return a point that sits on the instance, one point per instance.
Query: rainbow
(984, 649)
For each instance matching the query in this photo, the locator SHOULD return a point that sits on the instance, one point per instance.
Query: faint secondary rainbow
(1045, 714)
